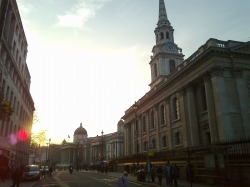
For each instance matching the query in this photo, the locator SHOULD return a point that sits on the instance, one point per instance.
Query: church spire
(162, 13)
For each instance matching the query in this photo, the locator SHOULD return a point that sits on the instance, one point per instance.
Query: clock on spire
(166, 54)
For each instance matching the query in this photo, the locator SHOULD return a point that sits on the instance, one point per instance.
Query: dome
(80, 131)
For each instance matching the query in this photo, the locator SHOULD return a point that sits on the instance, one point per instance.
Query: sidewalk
(181, 182)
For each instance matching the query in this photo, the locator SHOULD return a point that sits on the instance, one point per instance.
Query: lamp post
(135, 106)
(49, 150)
(102, 145)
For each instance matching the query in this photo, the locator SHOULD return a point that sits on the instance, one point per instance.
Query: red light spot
(22, 135)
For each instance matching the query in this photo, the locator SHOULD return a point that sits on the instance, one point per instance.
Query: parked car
(46, 170)
(31, 172)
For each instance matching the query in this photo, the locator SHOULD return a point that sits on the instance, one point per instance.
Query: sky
(89, 59)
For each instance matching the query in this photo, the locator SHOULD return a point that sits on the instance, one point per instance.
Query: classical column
(244, 101)
(170, 144)
(157, 127)
(221, 100)
(194, 129)
(183, 116)
(211, 108)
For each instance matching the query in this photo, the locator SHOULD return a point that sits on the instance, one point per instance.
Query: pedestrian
(132, 170)
(152, 173)
(17, 176)
(106, 168)
(123, 180)
(135, 169)
(167, 173)
(50, 171)
(173, 174)
(2, 174)
(159, 172)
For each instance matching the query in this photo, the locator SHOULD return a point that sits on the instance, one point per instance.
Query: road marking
(60, 181)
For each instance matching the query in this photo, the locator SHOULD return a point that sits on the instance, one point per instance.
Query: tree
(6, 110)
(37, 139)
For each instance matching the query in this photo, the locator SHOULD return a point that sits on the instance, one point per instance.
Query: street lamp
(47, 151)
(135, 106)
(102, 145)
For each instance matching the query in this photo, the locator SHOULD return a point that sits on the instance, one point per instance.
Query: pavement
(148, 182)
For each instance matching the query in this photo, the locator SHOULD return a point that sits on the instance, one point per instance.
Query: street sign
(150, 146)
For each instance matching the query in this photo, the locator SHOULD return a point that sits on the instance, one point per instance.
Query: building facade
(86, 150)
(15, 82)
(201, 100)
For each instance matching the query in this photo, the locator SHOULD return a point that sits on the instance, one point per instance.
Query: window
(7, 93)
(167, 35)
(164, 141)
(203, 99)
(145, 146)
(143, 124)
(176, 108)
(155, 69)
(162, 36)
(163, 115)
(152, 120)
(172, 65)
(177, 138)
(208, 138)
(154, 144)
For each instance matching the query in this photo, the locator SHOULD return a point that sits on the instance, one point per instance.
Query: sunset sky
(89, 59)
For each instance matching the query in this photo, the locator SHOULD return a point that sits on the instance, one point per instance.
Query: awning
(10, 158)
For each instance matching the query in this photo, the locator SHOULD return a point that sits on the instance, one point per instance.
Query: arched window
(203, 99)
(143, 124)
(176, 112)
(152, 117)
(162, 36)
(155, 69)
(163, 115)
(172, 65)
(167, 35)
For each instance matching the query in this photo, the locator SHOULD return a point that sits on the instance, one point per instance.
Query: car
(46, 170)
(31, 172)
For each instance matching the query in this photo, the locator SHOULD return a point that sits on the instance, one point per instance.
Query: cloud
(80, 13)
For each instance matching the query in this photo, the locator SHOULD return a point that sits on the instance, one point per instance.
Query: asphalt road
(78, 179)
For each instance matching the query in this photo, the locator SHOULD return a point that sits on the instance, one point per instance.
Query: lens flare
(13, 139)
(22, 135)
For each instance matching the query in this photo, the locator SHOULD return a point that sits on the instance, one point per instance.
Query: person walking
(159, 172)
(123, 180)
(2, 173)
(167, 173)
(132, 170)
(17, 176)
(153, 173)
(106, 168)
(50, 171)
(173, 174)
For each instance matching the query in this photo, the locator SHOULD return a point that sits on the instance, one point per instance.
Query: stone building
(15, 82)
(86, 150)
(201, 100)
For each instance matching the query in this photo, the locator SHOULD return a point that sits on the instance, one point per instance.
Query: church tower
(166, 54)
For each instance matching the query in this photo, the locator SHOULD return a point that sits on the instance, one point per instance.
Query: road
(78, 179)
